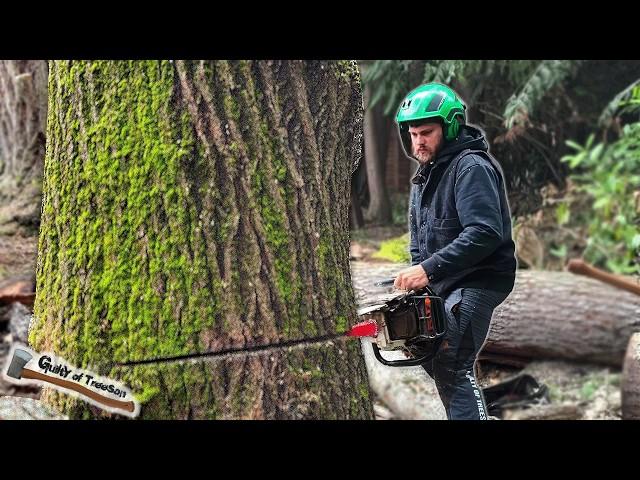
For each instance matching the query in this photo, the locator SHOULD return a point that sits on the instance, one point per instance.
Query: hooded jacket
(459, 217)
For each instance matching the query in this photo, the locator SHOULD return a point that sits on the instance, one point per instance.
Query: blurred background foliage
(566, 132)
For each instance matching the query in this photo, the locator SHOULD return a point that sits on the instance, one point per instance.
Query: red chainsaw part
(364, 329)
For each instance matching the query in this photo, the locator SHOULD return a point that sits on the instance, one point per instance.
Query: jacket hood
(470, 138)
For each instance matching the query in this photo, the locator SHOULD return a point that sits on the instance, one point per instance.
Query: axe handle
(580, 267)
(128, 406)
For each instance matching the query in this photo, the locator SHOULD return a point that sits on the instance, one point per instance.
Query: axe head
(19, 360)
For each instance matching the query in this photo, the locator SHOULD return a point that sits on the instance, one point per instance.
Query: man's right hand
(412, 278)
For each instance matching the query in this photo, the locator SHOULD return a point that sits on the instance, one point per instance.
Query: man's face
(426, 140)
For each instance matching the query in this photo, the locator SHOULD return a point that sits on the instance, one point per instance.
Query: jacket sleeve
(414, 249)
(477, 199)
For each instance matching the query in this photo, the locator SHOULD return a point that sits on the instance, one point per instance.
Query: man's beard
(424, 155)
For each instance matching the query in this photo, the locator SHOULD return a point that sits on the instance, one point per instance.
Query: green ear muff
(452, 130)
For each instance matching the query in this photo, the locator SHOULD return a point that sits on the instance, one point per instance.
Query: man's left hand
(412, 278)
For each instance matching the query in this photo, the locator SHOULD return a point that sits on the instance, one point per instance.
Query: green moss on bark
(117, 219)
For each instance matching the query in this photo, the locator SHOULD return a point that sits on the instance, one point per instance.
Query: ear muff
(452, 129)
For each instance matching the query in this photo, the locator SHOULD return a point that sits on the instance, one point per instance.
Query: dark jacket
(459, 218)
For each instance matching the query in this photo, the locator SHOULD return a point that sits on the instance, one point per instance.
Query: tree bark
(23, 113)
(561, 315)
(630, 387)
(192, 208)
(379, 210)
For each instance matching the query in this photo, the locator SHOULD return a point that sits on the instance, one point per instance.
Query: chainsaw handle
(399, 363)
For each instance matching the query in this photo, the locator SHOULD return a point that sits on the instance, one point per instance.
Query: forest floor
(18, 255)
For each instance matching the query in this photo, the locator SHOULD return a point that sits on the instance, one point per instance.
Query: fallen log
(560, 315)
(17, 291)
(408, 392)
(24, 299)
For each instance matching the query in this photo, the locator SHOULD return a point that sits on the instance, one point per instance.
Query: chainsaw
(413, 322)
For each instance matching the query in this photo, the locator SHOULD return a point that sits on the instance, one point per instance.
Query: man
(461, 243)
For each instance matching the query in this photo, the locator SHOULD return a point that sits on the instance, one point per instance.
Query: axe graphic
(16, 370)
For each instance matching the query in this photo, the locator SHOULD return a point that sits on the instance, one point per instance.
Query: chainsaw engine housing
(409, 320)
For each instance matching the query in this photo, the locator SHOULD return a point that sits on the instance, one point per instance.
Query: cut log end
(631, 380)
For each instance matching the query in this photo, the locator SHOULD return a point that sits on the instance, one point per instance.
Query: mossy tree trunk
(192, 208)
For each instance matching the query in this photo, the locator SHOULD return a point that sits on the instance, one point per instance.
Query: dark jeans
(469, 312)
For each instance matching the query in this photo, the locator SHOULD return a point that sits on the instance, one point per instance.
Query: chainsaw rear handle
(411, 362)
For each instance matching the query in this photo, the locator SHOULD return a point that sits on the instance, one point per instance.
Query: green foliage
(391, 80)
(627, 101)
(609, 173)
(563, 213)
(395, 250)
(589, 389)
(399, 208)
(547, 75)
(527, 108)
(560, 252)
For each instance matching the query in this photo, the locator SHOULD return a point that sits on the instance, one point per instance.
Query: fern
(444, 71)
(547, 75)
(391, 80)
(626, 98)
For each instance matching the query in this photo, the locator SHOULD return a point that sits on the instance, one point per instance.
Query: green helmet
(432, 100)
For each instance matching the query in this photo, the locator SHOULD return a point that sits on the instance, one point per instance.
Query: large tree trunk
(23, 113)
(195, 208)
(379, 210)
